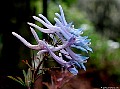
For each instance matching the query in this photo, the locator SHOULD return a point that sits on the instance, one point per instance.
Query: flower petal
(73, 70)
(35, 35)
(58, 59)
(45, 19)
(41, 29)
(64, 32)
(36, 47)
(62, 15)
(53, 28)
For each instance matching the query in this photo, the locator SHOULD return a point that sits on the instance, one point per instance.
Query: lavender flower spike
(64, 37)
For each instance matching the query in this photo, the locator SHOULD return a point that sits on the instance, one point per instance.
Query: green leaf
(20, 79)
(24, 73)
(26, 77)
(29, 74)
(15, 80)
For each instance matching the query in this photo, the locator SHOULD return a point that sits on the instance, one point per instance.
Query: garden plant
(63, 38)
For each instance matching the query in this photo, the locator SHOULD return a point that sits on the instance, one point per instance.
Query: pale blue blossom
(68, 36)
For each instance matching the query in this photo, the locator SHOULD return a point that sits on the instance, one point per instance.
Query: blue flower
(68, 37)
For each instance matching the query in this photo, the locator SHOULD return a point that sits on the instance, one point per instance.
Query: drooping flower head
(68, 36)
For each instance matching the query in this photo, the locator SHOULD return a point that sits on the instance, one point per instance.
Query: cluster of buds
(64, 37)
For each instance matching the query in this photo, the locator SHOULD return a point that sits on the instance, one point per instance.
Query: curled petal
(79, 47)
(41, 21)
(88, 48)
(76, 57)
(41, 29)
(36, 47)
(58, 59)
(67, 65)
(45, 19)
(69, 25)
(53, 28)
(36, 38)
(64, 32)
(76, 63)
(82, 66)
(64, 52)
(73, 70)
(76, 32)
(41, 52)
(58, 16)
(35, 35)
(62, 15)
(60, 47)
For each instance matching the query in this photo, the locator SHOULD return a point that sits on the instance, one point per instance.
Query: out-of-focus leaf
(20, 79)
(29, 74)
(24, 73)
(15, 79)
